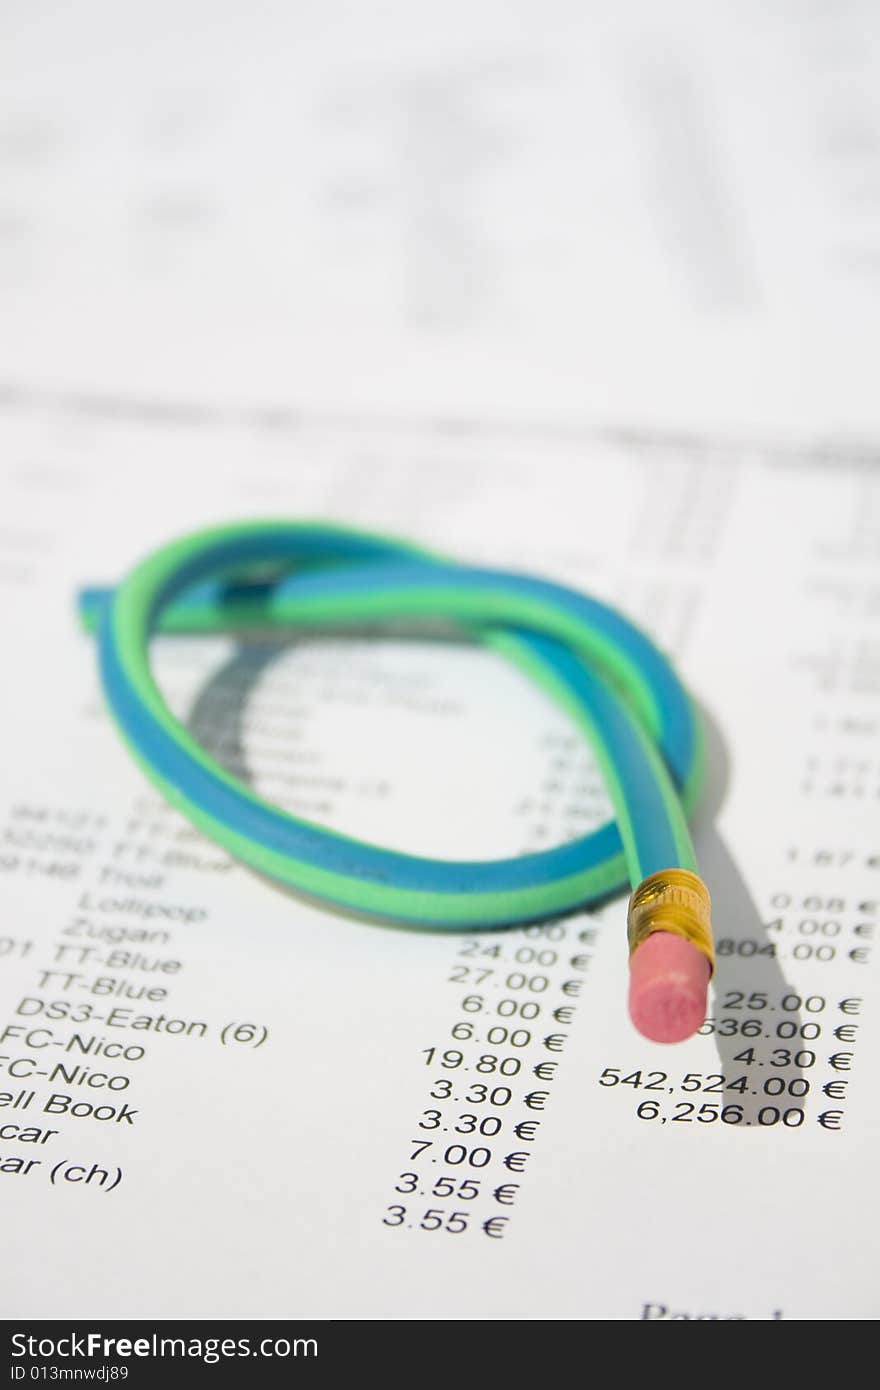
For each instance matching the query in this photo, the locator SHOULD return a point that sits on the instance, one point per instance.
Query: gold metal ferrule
(673, 900)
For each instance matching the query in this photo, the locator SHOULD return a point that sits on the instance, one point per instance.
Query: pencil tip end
(669, 982)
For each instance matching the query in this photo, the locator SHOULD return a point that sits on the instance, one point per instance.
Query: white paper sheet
(629, 210)
(258, 1176)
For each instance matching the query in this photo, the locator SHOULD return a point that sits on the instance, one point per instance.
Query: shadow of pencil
(217, 718)
(755, 1042)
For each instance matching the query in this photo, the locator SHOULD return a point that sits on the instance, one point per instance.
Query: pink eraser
(668, 982)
